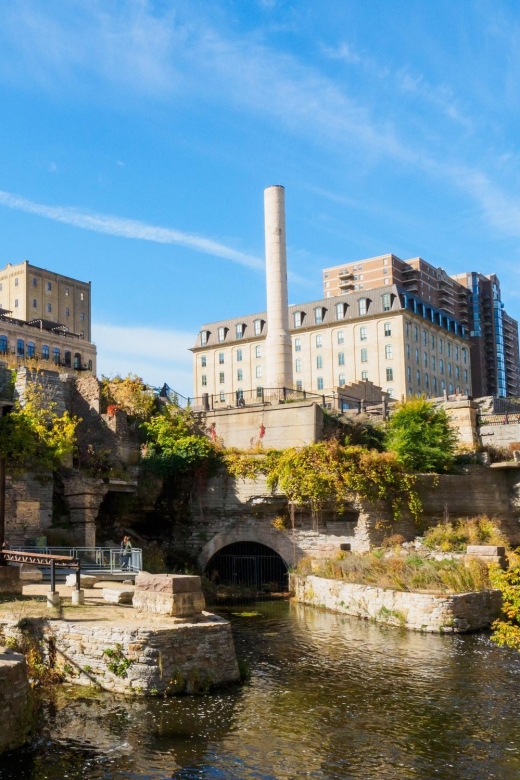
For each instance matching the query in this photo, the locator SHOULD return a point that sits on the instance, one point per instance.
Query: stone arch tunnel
(248, 564)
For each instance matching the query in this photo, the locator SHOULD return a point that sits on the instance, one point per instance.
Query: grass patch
(405, 572)
(454, 537)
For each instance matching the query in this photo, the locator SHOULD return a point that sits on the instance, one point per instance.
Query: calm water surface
(330, 697)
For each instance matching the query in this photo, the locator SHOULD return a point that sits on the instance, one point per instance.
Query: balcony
(346, 274)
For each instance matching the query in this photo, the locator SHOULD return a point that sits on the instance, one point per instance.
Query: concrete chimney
(278, 345)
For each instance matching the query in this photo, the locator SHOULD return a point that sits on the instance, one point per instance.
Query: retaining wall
(15, 700)
(446, 613)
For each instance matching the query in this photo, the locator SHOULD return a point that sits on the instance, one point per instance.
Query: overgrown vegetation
(129, 394)
(506, 630)
(402, 572)
(34, 434)
(421, 437)
(455, 536)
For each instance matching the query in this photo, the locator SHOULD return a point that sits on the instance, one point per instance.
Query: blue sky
(137, 138)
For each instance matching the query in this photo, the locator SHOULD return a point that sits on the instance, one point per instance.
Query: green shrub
(506, 630)
(421, 436)
(454, 537)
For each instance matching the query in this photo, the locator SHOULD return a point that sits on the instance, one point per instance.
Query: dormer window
(240, 330)
(298, 319)
(257, 327)
(318, 315)
(387, 302)
(221, 335)
(340, 311)
(204, 334)
(362, 306)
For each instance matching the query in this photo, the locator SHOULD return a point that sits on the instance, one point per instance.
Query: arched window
(56, 356)
(77, 361)
(31, 349)
(3, 345)
(67, 359)
(45, 352)
(20, 348)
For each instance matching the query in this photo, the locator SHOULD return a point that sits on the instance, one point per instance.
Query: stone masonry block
(172, 604)
(118, 595)
(168, 583)
(485, 549)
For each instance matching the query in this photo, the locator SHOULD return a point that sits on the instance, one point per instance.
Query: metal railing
(499, 419)
(107, 559)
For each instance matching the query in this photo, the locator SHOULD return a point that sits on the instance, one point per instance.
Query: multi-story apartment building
(470, 298)
(45, 317)
(391, 337)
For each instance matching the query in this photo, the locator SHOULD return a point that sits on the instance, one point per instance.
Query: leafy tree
(421, 436)
(506, 630)
(130, 394)
(34, 434)
(175, 443)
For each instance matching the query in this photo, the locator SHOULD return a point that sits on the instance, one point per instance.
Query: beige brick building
(383, 335)
(45, 317)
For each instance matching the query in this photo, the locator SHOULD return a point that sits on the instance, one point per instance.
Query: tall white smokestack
(278, 342)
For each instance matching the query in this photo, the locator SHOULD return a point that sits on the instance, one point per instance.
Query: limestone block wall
(500, 435)
(28, 506)
(15, 700)
(275, 427)
(5, 381)
(445, 613)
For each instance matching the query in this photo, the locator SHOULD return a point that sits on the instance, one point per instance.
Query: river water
(330, 697)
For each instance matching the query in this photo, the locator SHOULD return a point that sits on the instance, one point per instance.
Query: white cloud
(342, 52)
(129, 228)
(156, 355)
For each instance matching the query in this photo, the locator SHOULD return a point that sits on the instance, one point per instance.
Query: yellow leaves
(130, 394)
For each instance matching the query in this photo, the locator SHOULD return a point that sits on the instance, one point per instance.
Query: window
(409, 373)
(433, 362)
(35, 281)
(56, 357)
(424, 338)
(320, 383)
(240, 375)
(341, 380)
(341, 337)
(416, 355)
(464, 355)
(340, 311)
(441, 346)
(82, 296)
(297, 317)
(258, 351)
(49, 286)
(457, 372)
(385, 271)
(441, 366)
(35, 303)
(385, 261)
(388, 328)
(416, 332)
(386, 302)
(298, 366)
(388, 351)
(456, 353)
(319, 342)
(390, 392)
(67, 313)
(341, 358)
(45, 352)
(443, 385)
(386, 281)
(222, 396)
(49, 307)
(434, 384)
(389, 374)
(449, 369)
(425, 359)
(364, 376)
(362, 307)
(239, 330)
(66, 290)
(426, 381)
(16, 303)
(257, 327)
(418, 378)
(221, 358)
(16, 282)
(204, 338)
(239, 355)
(297, 345)
(221, 377)
(465, 374)
(3, 345)
(448, 345)
(67, 359)
(318, 316)
(364, 355)
(319, 361)
(221, 334)
(204, 380)
(259, 392)
(20, 348)
(408, 352)
(451, 389)
(407, 328)
(82, 317)
(363, 334)
(30, 349)
(299, 384)
(433, 341)
(203, 361)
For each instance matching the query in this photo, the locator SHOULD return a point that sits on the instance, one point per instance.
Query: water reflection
(330, 697)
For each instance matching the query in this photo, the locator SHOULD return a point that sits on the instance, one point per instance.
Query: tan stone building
(382, 335)
(45, 318)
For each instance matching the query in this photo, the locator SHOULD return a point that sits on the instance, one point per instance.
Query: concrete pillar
(78, 597)
(278, 342)
(53, 600)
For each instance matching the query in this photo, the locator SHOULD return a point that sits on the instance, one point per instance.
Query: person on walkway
(126, 553)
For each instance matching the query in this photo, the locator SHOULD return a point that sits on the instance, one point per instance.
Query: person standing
(126, 553)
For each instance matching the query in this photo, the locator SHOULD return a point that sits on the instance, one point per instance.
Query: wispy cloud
(341, 52)
(156, 355)
(129, 228)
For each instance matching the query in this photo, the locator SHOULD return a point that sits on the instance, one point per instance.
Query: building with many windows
(471, 299)
(385, 335)
(45, 318)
